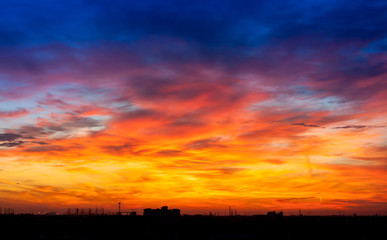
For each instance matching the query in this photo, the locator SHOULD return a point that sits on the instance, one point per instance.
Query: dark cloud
(186, 121)
(358, 126)
(10, 140)
(254, 134)
(170, 90)
(189, 119)
(9, 137)
(50, 127)
(31, 131)
(81, 122)
(139, 114)
(272, 132)
(50, 100)
(40, 142)
(381, 159)
(300, 199)
(305, 125)
(11, 144)
(204, 143)
(170, 153)
(49, 148)
(120, 149)
(26, 134)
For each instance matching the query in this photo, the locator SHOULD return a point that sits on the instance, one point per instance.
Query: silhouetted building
(163, 212)
(133, 214)
(51, 214)
(274, 215)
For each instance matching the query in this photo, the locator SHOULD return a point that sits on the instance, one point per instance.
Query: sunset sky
(198, 105)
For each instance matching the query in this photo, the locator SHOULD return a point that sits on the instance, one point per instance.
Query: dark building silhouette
(163, 212)
(189, 227)
(275, 215)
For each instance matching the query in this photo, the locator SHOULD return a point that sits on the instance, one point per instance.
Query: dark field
(192, 227)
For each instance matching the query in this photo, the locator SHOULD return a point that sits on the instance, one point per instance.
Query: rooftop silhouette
(163, 212)
(95, 227)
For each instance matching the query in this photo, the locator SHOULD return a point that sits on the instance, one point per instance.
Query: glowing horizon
(198, 106)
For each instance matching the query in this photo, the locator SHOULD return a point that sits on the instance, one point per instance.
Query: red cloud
(21, 112)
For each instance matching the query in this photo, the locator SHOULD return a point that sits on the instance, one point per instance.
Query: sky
(198, 105)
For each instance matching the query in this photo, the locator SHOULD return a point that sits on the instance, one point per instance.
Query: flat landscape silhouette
(192, 227)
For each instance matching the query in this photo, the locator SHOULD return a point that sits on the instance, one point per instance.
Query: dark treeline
(192, 227)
